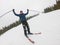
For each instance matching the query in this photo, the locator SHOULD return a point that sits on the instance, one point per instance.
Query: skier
(24, 21)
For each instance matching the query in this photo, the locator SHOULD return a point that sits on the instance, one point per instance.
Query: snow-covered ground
(47, 23)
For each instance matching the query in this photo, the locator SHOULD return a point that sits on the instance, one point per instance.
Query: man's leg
(25, 32)
(24, 27)
(28, 29)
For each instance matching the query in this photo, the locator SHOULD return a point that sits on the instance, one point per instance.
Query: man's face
(21, 12)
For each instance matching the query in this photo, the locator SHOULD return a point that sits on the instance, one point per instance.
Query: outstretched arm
(15, 13)
(27, 12)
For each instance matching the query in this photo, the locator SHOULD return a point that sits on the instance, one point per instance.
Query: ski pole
(5, 13)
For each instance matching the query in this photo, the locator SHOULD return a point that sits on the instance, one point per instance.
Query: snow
(47, 23)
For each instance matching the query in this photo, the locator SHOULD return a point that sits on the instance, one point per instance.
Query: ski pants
(26, 28)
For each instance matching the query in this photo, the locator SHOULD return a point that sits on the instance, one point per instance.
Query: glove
(13, 9)
(27, 9)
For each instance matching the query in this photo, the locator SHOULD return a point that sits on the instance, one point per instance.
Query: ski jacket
(21, 16)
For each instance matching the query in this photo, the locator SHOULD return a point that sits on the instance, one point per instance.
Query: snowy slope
(48, 24)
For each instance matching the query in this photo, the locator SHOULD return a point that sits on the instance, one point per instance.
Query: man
(23, 21)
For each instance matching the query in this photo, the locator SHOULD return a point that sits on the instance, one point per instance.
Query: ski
(37, 33)
(33, 34)
(31, 40)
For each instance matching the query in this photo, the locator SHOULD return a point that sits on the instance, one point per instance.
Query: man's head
(21, 12)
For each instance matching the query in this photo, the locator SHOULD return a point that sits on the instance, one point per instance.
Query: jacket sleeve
(27, 12)
(15, 13)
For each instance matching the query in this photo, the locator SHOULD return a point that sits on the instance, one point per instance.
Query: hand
(27, 9)
(13, 9)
